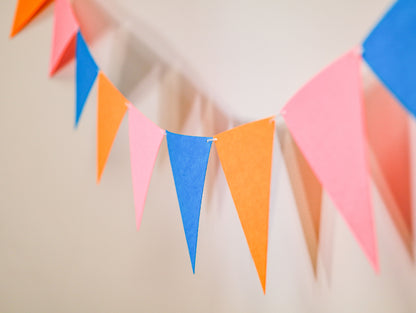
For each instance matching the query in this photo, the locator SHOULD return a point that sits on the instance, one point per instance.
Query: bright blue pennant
(189, 158)
(390, 50)
(86, 72)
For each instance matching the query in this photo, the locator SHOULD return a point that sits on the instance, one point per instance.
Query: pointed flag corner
(25, 11)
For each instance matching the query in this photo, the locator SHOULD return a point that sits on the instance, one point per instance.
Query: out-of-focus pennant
(307, 191)
(25, 12)
(189, 159)
(110, 111)
(245, 154)
(64, 32)
(326, 120)
(145, 138)
(86, 72)
(388, 134)
(390, 50)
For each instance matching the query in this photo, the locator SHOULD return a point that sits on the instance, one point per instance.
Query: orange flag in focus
(245, 154)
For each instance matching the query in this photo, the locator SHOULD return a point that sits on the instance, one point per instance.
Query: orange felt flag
(245, 154)
(110, 111)
(25, 11)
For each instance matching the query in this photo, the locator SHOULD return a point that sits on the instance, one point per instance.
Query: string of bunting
(325, 120)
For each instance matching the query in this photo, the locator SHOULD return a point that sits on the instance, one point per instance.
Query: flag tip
(52, 72)
(12, 34)
(15, 30)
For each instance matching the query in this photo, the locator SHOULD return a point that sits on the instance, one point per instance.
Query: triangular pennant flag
(388, 132)
(64, 32)
(110, 111)
(307, 191)
(25, 12)
(189, 159)
(326, 120)
(145, 138)
(245, 154)
(390, 50)
(86, 72)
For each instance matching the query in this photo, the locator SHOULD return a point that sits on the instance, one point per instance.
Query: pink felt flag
(326, 120)
(64, 32)
(145, 138)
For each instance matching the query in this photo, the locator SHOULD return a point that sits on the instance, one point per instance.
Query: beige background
(67, 245)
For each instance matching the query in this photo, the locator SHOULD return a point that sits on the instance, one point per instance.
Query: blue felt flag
(86, 73)
(189, 158)
(390, 50)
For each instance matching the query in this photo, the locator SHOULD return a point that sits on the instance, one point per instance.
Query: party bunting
(64, 32)
(145, 138)
(86, 72)
(326, 147)
(326, 120)
(110, 111)
(25, 12)
(245, 154)
(307, 191)
(388, 133)
(390, 50)
(189, 159)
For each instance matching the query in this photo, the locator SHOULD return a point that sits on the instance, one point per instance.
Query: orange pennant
(110, 111)
(25, 12)
(245, 154)
(307, 191)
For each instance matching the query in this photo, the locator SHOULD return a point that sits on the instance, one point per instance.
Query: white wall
(67, 245)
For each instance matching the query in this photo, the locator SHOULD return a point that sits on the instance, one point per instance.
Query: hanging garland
(325, 119)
